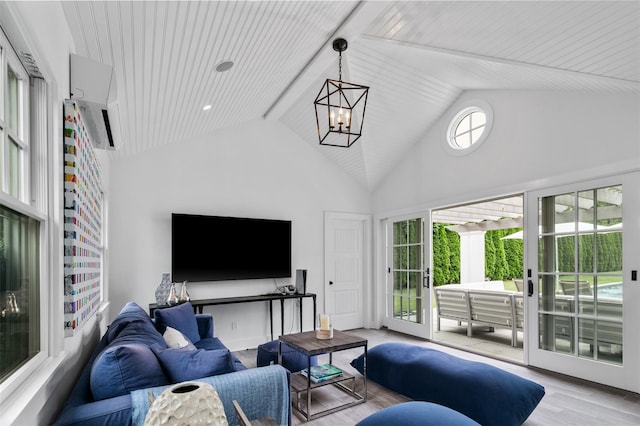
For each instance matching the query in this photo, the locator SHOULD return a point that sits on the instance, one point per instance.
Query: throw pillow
(180, 317)
(120, 369)
(131, 312)
(181, 365)
(177, 340)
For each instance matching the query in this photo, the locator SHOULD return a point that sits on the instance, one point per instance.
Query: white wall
(260, 170)
(539, 139)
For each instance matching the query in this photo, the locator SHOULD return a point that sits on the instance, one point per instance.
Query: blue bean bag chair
(417, 413)
(485, 393)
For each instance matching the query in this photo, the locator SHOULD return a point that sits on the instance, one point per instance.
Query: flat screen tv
(218, 248)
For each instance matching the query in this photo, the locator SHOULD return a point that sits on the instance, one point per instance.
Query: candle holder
(324, 327)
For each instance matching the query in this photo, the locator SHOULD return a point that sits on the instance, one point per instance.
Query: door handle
(330, 282)
(530, 288)
(427, 278)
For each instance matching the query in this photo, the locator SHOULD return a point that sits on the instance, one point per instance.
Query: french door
(582, 284)
(408, 278)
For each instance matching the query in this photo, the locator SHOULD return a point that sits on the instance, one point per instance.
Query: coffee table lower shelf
(300, 384)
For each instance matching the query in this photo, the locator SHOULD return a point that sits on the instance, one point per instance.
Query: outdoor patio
(495, 343)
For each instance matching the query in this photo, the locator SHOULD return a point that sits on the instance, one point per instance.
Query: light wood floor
(568, 401)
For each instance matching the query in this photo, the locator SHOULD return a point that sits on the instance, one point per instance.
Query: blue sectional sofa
(133, 358)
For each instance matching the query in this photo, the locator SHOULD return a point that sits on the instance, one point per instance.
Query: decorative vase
(162, 291)
(184, 296)
(187, 403)
(172, 299)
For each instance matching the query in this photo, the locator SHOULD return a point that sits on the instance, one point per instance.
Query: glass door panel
(580, 273)
(408, 298)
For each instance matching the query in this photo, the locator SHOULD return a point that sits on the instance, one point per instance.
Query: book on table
(322, 372)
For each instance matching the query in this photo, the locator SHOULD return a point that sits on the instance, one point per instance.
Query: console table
(198, 305)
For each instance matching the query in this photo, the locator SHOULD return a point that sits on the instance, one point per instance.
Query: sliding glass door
(582, 282)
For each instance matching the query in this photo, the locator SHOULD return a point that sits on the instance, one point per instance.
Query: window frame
(461, 112)
(21, 135)
(24, 202)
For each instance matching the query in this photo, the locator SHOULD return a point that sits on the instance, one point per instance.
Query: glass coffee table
(308, 344)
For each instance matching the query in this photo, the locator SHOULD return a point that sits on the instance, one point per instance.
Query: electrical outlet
(234, 325)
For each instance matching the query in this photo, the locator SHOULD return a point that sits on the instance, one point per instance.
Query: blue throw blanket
(261, 392)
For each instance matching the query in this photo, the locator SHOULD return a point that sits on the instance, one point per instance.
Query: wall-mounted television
(218, 248)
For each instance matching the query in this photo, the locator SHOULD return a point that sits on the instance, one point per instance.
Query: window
(19, 285)
(20, 222)
(469, 127)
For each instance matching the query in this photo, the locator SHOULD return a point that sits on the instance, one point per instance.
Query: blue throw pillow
(180, 317)
(485, 393)
(131, 312)
(120, 369)
(182, 365)
(417, 413)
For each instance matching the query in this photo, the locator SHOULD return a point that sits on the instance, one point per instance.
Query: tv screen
(216, 248)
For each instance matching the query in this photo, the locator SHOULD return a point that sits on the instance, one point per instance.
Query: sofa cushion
(417, 413)
(127, 363)
(120, 369)
(485, 393)
(180, 317)
(131, 312)
(181, 365)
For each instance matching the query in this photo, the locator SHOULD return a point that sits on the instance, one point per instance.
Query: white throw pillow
(177, 340)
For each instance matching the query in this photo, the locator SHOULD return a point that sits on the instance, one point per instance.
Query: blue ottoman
(292, 360)
(482, 392)
(417, 413)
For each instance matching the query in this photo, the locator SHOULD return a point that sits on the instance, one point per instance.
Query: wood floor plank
(568, 401)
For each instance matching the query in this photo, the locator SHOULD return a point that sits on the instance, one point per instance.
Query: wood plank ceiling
(417, 57)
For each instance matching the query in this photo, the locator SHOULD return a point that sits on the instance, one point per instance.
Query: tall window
(19, 227)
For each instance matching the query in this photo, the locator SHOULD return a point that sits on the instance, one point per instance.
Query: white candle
(324, 322)
(333, 119)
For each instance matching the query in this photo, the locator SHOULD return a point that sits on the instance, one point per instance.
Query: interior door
(408, 294)
(346, 237)
(582, 267)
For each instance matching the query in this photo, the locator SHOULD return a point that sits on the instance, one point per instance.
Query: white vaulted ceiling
(417, 57)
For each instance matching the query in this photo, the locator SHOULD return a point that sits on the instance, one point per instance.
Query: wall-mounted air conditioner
(93, 88)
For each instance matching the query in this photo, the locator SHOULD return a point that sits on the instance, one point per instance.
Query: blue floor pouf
(292, 360)
(417, 413)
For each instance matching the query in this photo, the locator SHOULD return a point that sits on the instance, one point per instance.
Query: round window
(469, 127)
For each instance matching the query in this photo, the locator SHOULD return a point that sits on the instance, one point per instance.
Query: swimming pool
(613, 290)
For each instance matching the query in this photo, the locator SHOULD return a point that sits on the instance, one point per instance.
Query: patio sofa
(471, 304)
(133, 359)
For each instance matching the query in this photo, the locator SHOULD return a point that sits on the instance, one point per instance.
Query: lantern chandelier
(340, 107)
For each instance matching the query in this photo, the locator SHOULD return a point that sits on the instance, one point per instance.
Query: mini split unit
(93, 89)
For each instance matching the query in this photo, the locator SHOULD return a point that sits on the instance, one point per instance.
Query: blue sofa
(133, 356)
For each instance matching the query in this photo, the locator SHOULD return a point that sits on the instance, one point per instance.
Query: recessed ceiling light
(206, 107)
(224, 66)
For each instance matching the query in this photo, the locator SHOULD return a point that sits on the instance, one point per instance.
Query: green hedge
(503, 258)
